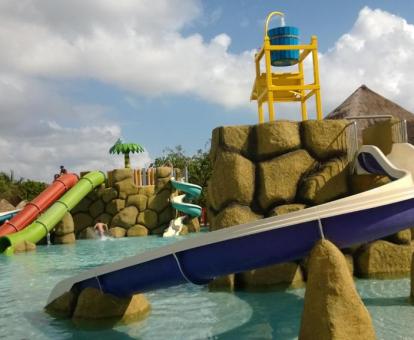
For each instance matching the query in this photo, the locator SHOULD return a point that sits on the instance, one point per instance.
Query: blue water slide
(348, 221)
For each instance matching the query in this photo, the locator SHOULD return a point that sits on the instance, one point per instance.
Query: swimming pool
(184, 312)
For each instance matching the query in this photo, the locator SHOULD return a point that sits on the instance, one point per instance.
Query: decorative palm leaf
(125, 149)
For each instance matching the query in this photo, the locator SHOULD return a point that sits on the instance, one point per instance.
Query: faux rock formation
(65, 226)
(139, 201)
(91, 304)
(119, 175)
(126, 218)
(97, 208)
(82, 221)
(64, 239)
(280, 176)
(115, 206)
(232, 138)
(232, 180)
(125, 188)
(109, 194)
(117, 232)
(276, 138)
(285, 274)
(401, 237)
(24, 246)
(87, 234)
(234, 215)
(286, 209)
(148, 218)
(222, 283)
(137, 230)
(383, 259)
(328, 183)
(325, 139)
(332, 307)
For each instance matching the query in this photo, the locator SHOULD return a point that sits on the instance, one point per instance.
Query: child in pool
(101, 228)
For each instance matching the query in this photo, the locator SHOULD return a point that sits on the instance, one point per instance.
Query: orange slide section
(39, 204)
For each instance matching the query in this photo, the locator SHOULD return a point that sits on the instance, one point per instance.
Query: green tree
(125, 149)
(15, 190)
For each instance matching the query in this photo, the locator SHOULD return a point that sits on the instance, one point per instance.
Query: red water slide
(39, 204)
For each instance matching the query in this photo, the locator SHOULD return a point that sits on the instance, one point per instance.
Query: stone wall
(128, 210)
(273, 168)
(279, 167)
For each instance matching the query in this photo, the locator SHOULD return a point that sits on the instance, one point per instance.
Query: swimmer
(101, 228)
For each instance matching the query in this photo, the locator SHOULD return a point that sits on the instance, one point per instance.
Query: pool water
(183, 312)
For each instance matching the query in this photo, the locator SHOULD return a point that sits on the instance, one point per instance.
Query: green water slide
(47, 221)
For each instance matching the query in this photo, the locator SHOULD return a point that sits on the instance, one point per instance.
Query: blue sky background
(69, 88)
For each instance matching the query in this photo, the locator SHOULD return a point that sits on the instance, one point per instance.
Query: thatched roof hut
(365, 102)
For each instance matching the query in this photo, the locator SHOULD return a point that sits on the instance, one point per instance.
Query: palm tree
(125, 148)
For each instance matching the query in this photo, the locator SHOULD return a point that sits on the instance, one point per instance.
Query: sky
(77, 75)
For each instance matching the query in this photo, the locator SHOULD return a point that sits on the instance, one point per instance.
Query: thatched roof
(365, 102)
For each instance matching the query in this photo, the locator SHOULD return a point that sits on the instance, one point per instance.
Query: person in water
(101, 228)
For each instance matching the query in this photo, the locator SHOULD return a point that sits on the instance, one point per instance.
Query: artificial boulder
(233, 138)
(148, 218)
(104, 218)
(383, 259)
(65, 226)
(147, 190)
(126, 187)
(163, 171)
(63, 306)
(139, 201)
(83, 205)
(119, 175)
(117, 232)
(81, 221)
(223, 283)
(280, 176)
(276, 138)
(286, 209)
(166, 216)
(159, 201)
(325, 139)
(287, 274)
(192, 224)
(232, 180)
(162, 184)
(5, 205)
(109, 194)
(137, 230)
(115, 206)
(24, 246)
(328, 183)
(332, 307)
(401, 237)
(88, 234)
(97, 208)
(65, 239)
(92, 304)
(125, 218)
(233, 215)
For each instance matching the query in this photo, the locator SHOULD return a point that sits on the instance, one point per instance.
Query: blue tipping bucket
(285, 35)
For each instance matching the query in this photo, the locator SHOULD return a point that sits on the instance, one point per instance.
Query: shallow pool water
(184, 312)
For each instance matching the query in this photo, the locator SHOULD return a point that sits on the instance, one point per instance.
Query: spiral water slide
(48, 220)
(34, 208)
(348, 221)
(7, 215)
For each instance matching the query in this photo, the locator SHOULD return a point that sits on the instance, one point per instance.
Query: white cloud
(138, 47)
(378, 51)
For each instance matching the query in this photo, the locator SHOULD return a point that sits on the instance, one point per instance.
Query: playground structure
(47, 221)
(142, 177)
(281, 48)
(181, 204)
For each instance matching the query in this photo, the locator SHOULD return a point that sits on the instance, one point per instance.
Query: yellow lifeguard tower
(281, 48)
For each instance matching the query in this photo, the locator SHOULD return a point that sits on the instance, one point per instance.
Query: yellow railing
(285, 87)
